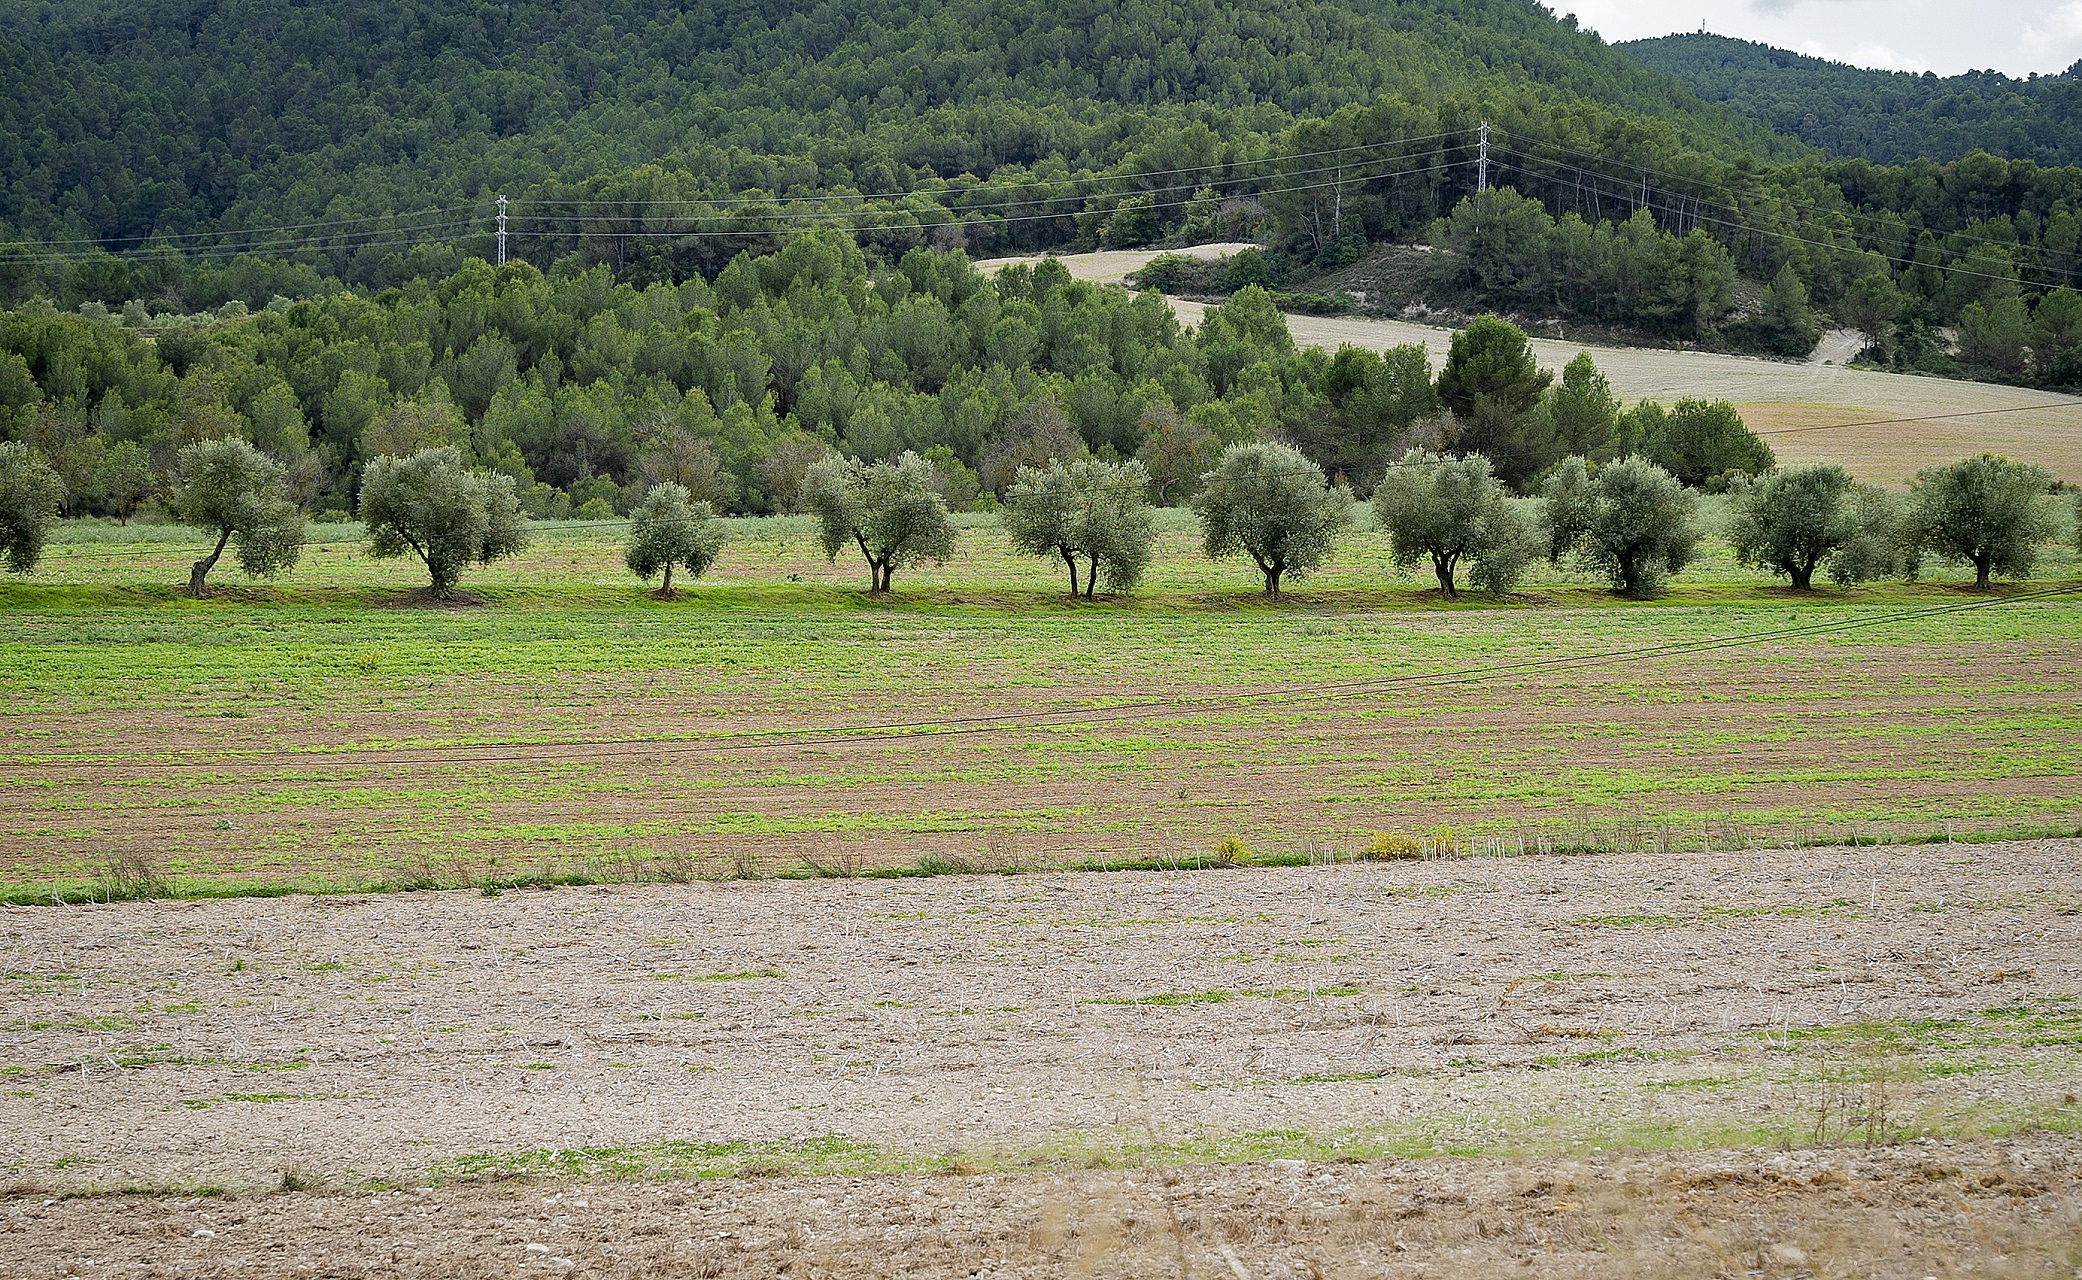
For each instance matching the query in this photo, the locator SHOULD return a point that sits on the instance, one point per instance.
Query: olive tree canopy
(1088, 509)
(446, 513)
(1269, 502)
(30, 495)
(1450, 510)
(668, 529)
(1984, 511)
(235, 491)
(890, 510)
(1631, 522)
(1794, 521)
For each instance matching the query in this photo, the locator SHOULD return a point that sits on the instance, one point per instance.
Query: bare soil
(1927, 1209)
(1696, 1062)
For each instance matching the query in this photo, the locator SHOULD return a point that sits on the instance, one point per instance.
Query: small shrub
(299, 1179)
(1392, 846)
(1231, 851)
(131, 876)
(594, 509)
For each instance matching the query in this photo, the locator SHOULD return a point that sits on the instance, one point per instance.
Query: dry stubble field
(1836, 1062)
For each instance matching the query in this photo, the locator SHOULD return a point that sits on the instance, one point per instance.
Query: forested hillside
(1890, 117)
(171, 117)
(167, 159)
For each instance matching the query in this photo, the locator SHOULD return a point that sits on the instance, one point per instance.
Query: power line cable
(1641, 201)
(377, 224)
(987, 184)
(1928, 417)
(154, 237)
(857, 227)
(443, 230)
(1694, 180)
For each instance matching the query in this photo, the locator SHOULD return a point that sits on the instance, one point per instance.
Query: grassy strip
(835, 1155)
(133, 885)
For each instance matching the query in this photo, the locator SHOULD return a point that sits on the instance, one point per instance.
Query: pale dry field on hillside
(1773, 394)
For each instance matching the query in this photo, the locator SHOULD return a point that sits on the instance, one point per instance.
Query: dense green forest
(178, 117)
(1889, 117)
(586, 391)
(164, 160)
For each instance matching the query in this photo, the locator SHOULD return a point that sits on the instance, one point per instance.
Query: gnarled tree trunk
(199, 572)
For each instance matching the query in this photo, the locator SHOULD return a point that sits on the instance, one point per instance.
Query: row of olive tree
(1985, 511)
(430, 504)
(1629, 520)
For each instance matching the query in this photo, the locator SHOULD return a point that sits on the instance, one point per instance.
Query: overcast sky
(1945, 36)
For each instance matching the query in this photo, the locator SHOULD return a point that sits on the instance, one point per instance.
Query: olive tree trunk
(199, 572)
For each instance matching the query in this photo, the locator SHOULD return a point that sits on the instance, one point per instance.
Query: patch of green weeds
(1175, 998)
(745, 975)
(670, 1161)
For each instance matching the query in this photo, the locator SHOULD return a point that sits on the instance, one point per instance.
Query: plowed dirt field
(1830, 1061)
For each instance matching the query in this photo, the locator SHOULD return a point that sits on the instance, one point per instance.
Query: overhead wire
(1130, 175)
(248, 239)
(1697, 215)
(445, 228)
(842, 225)
(1695, 180)
(152, 238)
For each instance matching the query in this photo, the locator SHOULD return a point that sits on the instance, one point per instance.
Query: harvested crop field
(1787, 1062)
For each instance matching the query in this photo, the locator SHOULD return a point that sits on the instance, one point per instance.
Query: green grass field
(329, 731)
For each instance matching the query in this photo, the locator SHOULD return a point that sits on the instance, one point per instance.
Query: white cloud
(1883, 58)
(2057, 38)
(1945, 36)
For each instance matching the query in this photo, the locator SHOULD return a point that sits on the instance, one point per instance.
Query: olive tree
(1631, 521)
(1450, 510)
(1794, 522)
(1984, 511)
(30, 495)
(1090, 510)
(1119, 528)
(667, 529)
(1882, 543)
(890, 510)
(233, 490)
(441, 510)
(1271, 503)
(1041, 516)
